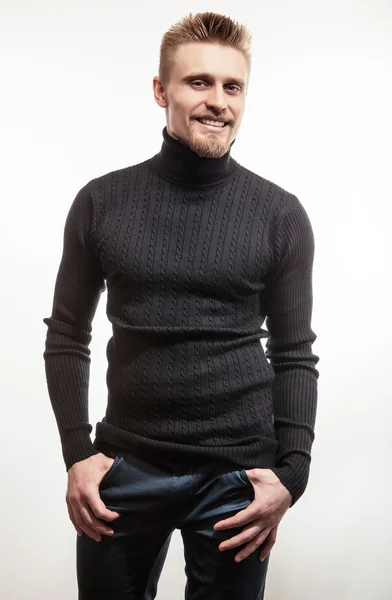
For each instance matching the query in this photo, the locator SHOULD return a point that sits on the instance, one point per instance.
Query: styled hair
(202, 27)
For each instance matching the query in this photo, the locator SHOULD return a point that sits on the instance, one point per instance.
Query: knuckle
(88, 520)
(74, 498)
(89, 495)
(85, 493)
(95, 523)
(99, 513)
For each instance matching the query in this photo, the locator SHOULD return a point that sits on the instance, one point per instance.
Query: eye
(231, 85)
(235, 87)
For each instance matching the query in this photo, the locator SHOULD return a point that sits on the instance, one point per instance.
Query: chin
(207, 145)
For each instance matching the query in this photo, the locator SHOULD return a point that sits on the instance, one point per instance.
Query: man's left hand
(262, 517)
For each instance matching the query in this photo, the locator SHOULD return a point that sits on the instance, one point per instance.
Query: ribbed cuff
(292, 481)
(76, 446)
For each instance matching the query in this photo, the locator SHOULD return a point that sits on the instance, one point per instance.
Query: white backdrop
(77, 102)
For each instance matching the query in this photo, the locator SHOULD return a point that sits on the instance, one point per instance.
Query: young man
(202, 433)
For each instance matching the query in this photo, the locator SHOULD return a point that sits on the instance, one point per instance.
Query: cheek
(238, 118)
(182, 109)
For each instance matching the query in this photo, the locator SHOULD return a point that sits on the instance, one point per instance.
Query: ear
(159, 92)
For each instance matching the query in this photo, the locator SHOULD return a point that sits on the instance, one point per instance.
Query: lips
(208, 119)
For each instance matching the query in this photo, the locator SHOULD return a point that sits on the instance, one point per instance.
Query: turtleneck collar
(179, 163)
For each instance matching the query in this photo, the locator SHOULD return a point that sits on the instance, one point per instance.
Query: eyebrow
(237, 80)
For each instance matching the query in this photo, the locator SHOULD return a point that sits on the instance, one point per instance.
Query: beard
(209, 145)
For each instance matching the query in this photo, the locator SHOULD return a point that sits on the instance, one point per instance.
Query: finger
(243, 517)
(245, 536)
(99, 508)
(85, 528)
(269, 543)
(92, 522)
(71, 516)
(251, 547)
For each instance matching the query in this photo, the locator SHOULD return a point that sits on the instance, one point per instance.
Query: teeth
(214, 123)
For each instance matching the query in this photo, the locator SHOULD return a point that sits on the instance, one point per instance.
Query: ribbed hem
(258, 452)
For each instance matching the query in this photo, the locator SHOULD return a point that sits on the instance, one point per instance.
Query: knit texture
(195, 254)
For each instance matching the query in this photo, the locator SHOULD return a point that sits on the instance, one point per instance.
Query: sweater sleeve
(78, 287)
(289, 347)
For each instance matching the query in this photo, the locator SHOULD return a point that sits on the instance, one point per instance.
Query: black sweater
(195, 253)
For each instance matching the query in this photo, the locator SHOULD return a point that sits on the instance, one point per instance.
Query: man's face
(206, 80)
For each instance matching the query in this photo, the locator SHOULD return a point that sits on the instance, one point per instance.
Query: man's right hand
(84, 503)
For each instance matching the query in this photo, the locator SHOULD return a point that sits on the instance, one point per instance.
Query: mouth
(210, 127)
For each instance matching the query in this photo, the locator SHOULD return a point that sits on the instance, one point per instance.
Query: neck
(179, 163)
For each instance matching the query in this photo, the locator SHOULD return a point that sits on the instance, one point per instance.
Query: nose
(216, 98)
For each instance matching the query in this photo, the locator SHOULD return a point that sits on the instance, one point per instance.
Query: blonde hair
(202, 27)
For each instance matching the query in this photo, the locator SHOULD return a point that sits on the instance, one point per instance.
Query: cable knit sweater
(195, 254)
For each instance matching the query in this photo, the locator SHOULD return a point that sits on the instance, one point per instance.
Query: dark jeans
(153, 499)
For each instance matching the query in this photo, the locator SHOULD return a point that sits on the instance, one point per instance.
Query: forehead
(220, 62)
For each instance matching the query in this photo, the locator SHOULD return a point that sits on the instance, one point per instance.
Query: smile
(210, 127)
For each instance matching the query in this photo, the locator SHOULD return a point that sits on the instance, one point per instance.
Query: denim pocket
(115, 463)
(243, 476)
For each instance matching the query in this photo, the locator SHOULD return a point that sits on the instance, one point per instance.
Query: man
(202, 433)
